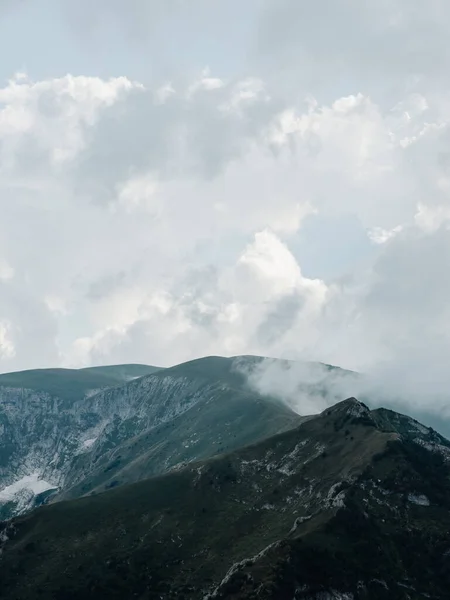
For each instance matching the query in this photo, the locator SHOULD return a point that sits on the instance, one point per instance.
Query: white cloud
(244, 93)
(160, 201)
(431, 218)
(378, 235)
(221, 311)
(271, 264)
(160, 222)
(380, 47)
(7, 350)
(164, 92)
(140, 191)
(204, 83)
(52, 116)
(307, 387)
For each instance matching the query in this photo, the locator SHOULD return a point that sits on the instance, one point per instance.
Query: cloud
(187, 214)
(6, 271)
(7, 349)
(138, 17)
(432, 218)
(376, 47)
(307, 387)
(378, 235)
(215, 309)
(330, 48)
(174, 216)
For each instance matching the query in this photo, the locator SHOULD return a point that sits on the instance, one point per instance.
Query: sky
(180, 179)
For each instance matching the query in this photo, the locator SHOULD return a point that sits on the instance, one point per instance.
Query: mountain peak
(350, 406)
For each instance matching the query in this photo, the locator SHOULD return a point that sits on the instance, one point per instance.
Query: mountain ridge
(70, 384)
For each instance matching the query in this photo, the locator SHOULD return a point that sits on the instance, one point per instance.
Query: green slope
(229, 421)
(336, 508)
(72, 384)
(214, 368)
(122, 373)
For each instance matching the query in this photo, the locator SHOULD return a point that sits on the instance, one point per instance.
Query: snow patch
(30, 483)
(89, 443)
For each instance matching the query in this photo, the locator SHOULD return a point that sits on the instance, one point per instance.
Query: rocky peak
(348, 411)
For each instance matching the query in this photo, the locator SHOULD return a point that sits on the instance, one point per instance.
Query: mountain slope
(219, 422)
(47, 417)
(213, 410)
(50, 443)
(342, 507)
(122, 373)
(73, 384)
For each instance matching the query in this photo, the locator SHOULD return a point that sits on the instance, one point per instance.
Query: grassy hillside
(216, 368)
(122, 373)
(72, 384)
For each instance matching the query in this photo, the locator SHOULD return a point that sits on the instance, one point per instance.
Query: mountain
(71, 384)
(352, 504)
(46, 418)
(76, 441)
(223, 414)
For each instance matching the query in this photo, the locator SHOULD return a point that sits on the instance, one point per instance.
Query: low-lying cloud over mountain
(309, 387)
